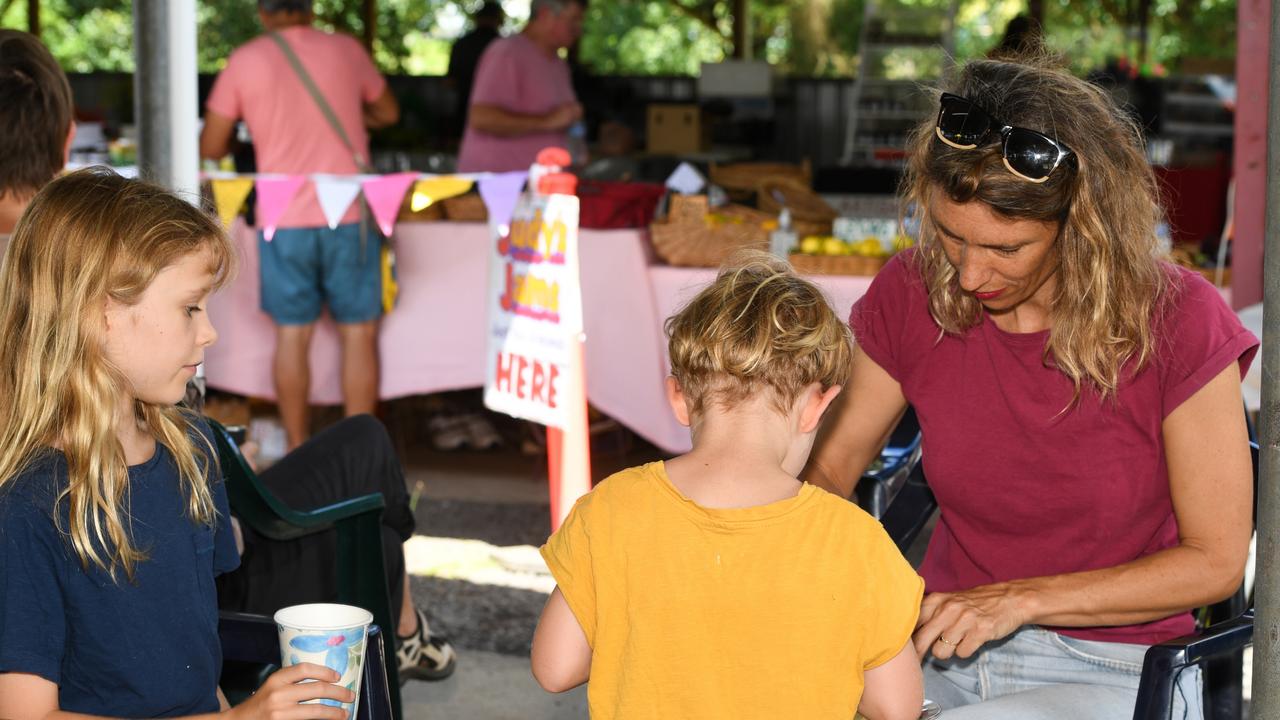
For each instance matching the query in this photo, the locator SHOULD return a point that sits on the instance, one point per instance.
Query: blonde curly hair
(758, 326)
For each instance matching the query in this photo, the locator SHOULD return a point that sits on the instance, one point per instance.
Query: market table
(434, 340)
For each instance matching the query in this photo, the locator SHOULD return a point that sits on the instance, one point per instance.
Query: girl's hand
(961, 622)
(280, 695)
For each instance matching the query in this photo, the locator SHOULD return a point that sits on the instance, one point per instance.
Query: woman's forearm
(1164, 583)
(1154, 587)
(494, 120)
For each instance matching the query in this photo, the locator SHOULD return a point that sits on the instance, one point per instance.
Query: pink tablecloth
(435, 340)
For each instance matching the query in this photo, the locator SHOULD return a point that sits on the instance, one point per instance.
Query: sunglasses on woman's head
(1028, 154)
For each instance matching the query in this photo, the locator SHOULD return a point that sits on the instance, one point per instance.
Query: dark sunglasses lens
(961, 122)
(1030, 153)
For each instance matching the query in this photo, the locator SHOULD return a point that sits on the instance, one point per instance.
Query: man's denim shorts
(303, 269)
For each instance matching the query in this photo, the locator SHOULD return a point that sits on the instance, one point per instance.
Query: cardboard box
(674, 129)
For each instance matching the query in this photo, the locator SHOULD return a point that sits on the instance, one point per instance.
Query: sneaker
(480, 432)
(448, 432)
(423, 656)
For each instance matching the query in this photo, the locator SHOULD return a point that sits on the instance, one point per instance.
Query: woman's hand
(959, 623)
(280, 695)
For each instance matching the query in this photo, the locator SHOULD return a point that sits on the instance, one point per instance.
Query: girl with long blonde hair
(113, 518)
(1078, 398)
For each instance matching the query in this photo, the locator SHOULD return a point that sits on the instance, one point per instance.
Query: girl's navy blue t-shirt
(142, 648)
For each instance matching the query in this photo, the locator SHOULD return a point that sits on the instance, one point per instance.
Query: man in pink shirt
(307, 265)
(523, 99)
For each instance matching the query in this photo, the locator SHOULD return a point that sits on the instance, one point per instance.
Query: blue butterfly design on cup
(341, 649)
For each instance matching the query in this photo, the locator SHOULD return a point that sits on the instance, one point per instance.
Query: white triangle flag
(336, 193)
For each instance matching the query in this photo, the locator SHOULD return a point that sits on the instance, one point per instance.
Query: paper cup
(326, 634)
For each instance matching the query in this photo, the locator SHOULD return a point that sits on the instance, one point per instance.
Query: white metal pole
(165, 93)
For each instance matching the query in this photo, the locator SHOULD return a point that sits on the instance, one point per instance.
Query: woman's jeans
(1035, 673)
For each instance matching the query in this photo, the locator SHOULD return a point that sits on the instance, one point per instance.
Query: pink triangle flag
(500, 193)
(275, 192)
(384, 194)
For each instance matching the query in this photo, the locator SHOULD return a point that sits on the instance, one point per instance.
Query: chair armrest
(329, 514)
(1217, 640)
(1163, 661)
(291, 524)
(248, 638)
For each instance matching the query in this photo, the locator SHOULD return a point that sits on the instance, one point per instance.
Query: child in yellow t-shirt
(717, 585)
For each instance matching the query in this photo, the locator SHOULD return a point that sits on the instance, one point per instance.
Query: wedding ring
(943, 639)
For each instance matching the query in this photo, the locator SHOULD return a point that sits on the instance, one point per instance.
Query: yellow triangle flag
(433, 190)
(229, 196)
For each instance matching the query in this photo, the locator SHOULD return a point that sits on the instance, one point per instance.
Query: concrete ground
(474, 566)
(490, 686)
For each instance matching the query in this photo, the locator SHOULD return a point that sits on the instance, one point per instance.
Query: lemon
(902, 242)
(811, 245)
(833, 246)
(869, 247)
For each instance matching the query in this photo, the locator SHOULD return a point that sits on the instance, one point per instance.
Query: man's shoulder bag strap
(321, 103)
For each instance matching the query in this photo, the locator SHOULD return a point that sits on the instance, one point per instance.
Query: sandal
(423, 656)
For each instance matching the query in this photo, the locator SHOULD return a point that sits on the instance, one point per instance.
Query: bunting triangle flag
(432, 190)
(229, 196)
(336, 193)
(384, 193)
(275, 192)
(500, 193)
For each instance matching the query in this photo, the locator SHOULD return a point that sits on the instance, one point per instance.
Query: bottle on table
(576, 143)
(783, 239)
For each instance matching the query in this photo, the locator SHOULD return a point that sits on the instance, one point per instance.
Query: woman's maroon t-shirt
(1026, 489)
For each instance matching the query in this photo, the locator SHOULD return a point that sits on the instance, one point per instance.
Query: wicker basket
(740, 180)
(430, 213)
(468, 207)
(769, 221)
(773, 193)
(688, 237)
(837, 264)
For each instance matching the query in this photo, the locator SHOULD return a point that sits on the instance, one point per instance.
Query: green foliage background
(803, 37)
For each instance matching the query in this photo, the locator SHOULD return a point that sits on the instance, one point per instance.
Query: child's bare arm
(561, 657)
(24, 696)
(894, 690)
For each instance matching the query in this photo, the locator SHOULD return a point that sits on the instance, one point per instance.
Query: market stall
(434, 340)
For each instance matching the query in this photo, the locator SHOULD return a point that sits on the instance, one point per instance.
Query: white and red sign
(535, 311)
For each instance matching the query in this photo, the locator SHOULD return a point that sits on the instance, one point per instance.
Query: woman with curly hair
(1078, 398)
